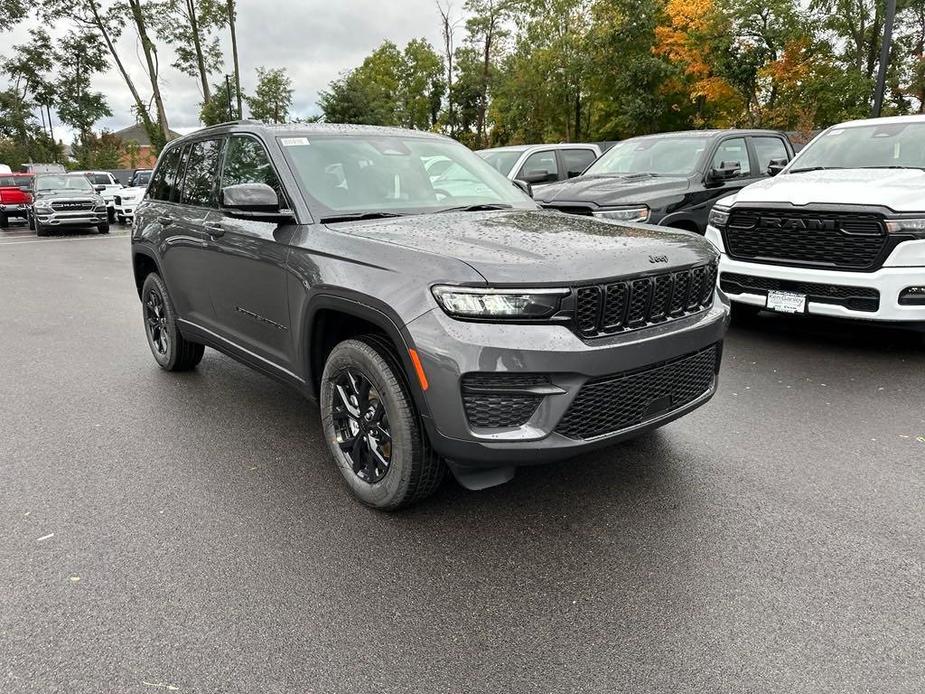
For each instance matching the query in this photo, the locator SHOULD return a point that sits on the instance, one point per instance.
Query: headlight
(625, 214)
(719, 217)
(43, 208)
(468, 302)
(897, 225)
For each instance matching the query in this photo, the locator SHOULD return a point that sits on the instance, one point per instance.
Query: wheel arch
(143, 264)
(331, 318)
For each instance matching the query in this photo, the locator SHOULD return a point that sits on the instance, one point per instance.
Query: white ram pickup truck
(840, 231)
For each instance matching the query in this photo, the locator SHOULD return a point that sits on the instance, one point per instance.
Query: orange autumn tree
(687, 41)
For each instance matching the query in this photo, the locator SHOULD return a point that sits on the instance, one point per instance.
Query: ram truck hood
(606, 191)
(901, 190)
(539, 247)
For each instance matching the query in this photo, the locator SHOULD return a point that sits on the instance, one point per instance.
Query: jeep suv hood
(539, 246)
(606, 191)
(901, 190)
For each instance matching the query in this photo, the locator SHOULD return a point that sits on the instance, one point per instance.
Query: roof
(557, 145)
(349, 130)
(919, 118)
(709, 133)
(136, 134)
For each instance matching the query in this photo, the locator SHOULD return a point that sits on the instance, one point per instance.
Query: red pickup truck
(15, 197)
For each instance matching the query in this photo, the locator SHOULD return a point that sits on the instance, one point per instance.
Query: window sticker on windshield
(293, 141)
(833, 133)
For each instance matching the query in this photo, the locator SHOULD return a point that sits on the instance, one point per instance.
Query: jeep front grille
(620, 306)
(833, 240)
(611, 404)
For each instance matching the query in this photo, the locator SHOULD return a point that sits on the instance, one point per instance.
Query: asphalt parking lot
(187, 532)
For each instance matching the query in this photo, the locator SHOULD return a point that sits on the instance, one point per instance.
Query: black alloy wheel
(361, 426)
(156, 321)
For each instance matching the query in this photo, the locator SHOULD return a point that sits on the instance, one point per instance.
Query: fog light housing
(912, 296)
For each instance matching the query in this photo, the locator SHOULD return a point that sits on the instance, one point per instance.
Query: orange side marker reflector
(416, 360)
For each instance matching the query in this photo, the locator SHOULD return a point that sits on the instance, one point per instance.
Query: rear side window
(201, 172)
(165, 177)
(100, 179)
(541, 162)
(246, 161)
(577, 160)
(730, 151)
(768, 148)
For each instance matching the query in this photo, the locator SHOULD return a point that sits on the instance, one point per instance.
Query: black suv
(466, 330)
(671, 179)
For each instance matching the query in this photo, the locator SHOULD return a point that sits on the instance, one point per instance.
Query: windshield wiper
(892, 166)
(477, 208)
(815, 168)
(358, 216)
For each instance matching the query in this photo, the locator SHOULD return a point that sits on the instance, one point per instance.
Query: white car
(840, 231)
(541, 165)
(127, 199)
(106, 185)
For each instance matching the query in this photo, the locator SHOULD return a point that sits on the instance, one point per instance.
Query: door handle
(214, 229)
(166, 221)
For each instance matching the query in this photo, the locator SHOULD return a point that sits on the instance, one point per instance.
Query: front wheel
(372, 428)
(4, 221)
(171, 350)
(40, 229)
(103, 228)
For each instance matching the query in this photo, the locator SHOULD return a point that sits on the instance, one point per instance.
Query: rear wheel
(372, 428)
(171, 350)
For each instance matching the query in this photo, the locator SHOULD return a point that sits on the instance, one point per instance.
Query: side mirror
(726, 170)
(775, 166)
(99, 189)
(250, 197)
(524, 186)
(256, 201)
(538, 176)
(573, 174)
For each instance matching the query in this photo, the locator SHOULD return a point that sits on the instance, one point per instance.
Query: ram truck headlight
(468, 302)
(42, 208)
(718, 217)
(639, 213)
(899, 225)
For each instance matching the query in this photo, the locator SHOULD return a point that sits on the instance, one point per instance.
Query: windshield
(664, 156)
(880, 145)
(142, 179)
(394, 174)
(76, 182)
(502, 160)
(24, 182)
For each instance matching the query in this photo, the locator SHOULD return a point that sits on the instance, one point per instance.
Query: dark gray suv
(466, 330)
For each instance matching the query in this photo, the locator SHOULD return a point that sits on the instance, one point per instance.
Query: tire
(121, 219)
(40, 229)
(103, 228)
(110, 215)
(171, 350)
(411, 470)
(31, 221)
(4, 221)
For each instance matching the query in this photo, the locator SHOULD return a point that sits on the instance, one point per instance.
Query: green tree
(80, 55)
(220, 107)
(486, 32)
(189, 27)
(272, 97)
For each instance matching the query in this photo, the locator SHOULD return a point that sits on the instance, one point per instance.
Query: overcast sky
(315, 40)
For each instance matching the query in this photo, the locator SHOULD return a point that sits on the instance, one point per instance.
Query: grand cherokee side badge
(658, 258)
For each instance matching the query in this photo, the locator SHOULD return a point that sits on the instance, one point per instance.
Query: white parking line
(73, 238)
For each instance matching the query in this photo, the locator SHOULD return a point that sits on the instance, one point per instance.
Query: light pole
(884, 57)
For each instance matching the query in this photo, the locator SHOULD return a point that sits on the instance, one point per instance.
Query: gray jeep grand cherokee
(466, 330)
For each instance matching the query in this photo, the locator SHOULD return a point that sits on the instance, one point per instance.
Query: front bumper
(15, 210)
(904, 268)
(126, 209)
(76, 218)
(449, 349)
